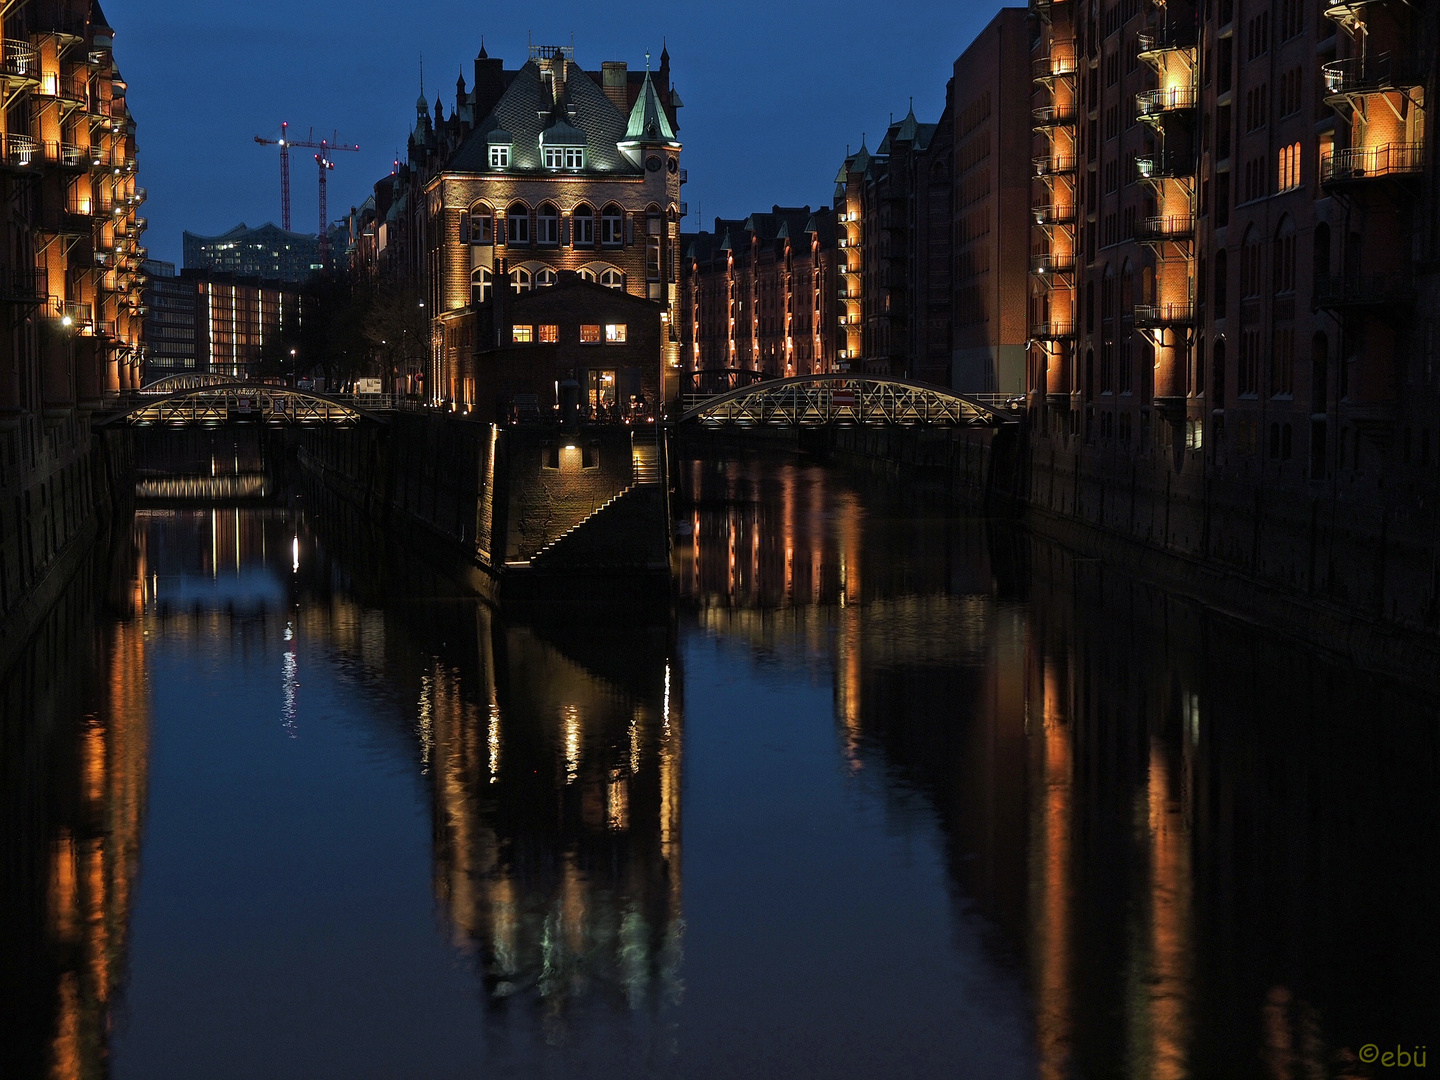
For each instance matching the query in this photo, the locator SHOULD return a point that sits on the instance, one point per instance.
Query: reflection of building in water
(75, 767)
(557, 805)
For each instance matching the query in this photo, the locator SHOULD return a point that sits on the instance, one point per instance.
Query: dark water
(895, 794)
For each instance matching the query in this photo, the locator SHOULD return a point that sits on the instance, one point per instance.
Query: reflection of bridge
(817, 400)
(207, 404)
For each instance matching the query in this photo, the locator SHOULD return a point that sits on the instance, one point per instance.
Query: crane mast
(322, 160)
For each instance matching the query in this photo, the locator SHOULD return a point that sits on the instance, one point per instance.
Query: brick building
(530, 344)
(539, 170)
(70, 264)
(988, 98)
(1248, 205)
(760, 295)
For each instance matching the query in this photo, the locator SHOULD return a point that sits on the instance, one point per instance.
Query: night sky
(773, 91)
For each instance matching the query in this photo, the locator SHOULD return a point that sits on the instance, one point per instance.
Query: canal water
(896, 793)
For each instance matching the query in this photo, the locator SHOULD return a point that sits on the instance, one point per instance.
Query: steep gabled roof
(525, 110)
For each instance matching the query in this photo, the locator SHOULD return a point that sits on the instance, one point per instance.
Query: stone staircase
(647, 477)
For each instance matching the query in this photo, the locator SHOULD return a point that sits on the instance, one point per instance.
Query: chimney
(616, 79)
(489, 84)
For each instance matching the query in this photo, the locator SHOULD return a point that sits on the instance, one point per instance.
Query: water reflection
(1165, 845)
(1210, 852)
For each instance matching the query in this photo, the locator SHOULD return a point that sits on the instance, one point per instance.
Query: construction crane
(322, 159)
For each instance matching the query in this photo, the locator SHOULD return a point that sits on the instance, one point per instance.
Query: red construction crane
(322, 159)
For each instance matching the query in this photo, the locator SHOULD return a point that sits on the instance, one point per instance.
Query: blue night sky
(773, 92)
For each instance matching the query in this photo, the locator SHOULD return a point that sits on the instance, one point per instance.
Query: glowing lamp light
(66, 320)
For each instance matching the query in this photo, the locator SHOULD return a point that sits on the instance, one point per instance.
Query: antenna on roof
(422, 74)
(647, 59)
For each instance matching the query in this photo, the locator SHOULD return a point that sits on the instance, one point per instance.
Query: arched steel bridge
(195, 380)
(817, 400)
(213, 405)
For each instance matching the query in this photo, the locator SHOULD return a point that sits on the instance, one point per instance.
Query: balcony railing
(72, 315)
(1168, 99)
(1164, 39)
(1164, 167)
(23, 285)
(72, 88)
(1163, 316)
(67, 154)
(66, 221)
(1053, 115)
(18, 61)
(1375, 74)
(1045, 68)
(1173, 227)
(20, 151)
(1052, 329)
(1055, 165)
(1359, 163)
(1055, 214)
(1051, 262)
(1372, 290)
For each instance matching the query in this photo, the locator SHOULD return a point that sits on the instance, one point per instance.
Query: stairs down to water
(647, 478)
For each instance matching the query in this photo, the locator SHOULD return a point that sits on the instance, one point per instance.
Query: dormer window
(499, 157)
(564, 157)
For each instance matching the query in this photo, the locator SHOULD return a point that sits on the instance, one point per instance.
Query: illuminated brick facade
(540, 170)
(759, 296)
(70, 264)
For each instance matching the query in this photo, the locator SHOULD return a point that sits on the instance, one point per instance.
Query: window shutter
(629, 229)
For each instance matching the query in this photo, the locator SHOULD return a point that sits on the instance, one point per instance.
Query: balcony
(1153, 44)
(19, 62)
(1178, 227)
(67, 155)
(1361, 163)
(1164, 316)
(19, 151)
(1375, 75)
(1045, 68)
(1164, 167)
(24, 285)
(72, 89)
(1055, 165)
(1169, 99)
(1055, 214)
(72, 315)
(1355, 292)
(1048, 116)
(139, 196)
(1050, 262)
(1053, 329)
(66, 222)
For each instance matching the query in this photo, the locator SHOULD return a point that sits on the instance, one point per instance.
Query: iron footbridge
(849, 400)
(208, 404)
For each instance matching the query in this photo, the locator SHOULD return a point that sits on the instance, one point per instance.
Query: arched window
(1252, 262)
(547, 222)
(1222, 285)
(1285, 256)
(482, 224)
(583, 227)
(586, 274)
(480, 280)
(612, 279)
(521, 280)
(544, 278)
(1217, 375)
(612, 226)
(518, 220)
(1320, 259)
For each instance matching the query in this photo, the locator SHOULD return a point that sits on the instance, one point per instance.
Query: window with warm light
(589, 334)
(522, 335)
(615, 333)
(549, 333)
(1289, 168)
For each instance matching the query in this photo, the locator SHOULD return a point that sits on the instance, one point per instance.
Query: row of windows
(522, 280)
(556, 157)
(478, 225)
(590, 334)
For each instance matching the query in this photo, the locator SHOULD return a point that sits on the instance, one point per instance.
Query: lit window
(615, 333)
(549, 333)
(522, 335)
(499, 157)
(589, 335)
(1289, 167)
